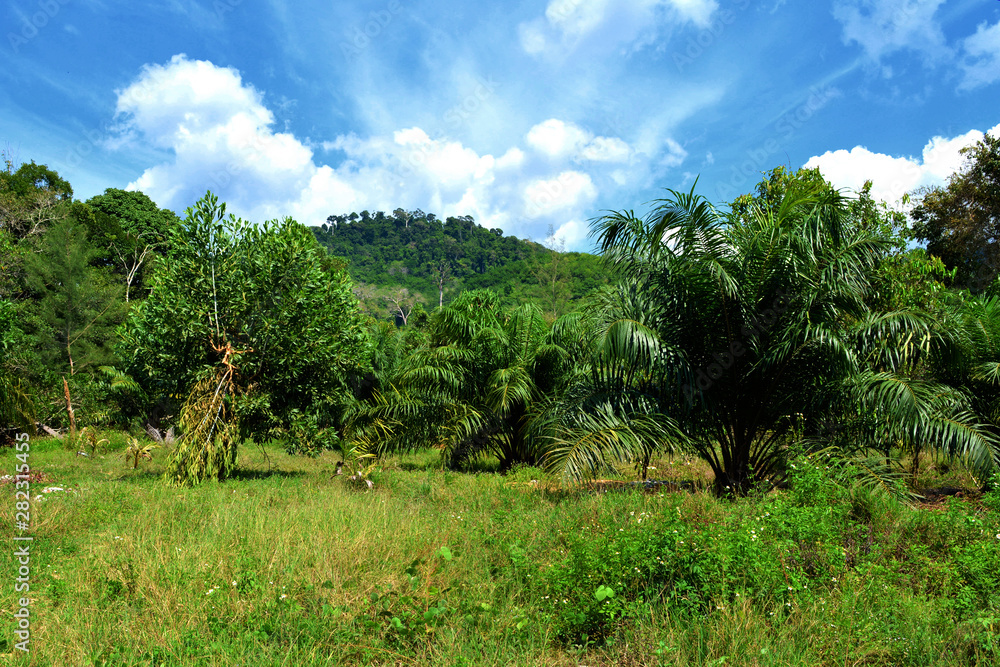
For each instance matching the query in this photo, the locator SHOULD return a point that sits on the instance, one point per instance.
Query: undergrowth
(285, 564)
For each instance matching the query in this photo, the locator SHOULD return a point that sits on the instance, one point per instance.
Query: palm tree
(739, 326)
(470, 389)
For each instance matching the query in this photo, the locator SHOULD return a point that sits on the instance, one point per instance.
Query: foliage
(136, 451)
(88, 438)
(470, 389)
(960, 222)
(128, 228)
(420, 253)
(15, 404)
(745, 324)
(268, 299)
(77, 308)
(209, 445)
(31, 198)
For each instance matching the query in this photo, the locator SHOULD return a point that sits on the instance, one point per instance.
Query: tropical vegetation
(737, 422)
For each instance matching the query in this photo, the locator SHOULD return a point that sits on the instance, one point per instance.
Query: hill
(415, 255)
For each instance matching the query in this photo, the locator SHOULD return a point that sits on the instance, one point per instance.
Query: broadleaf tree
(264, 311)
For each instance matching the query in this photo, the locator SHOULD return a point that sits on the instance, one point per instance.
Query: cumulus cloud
(560, 139)
(568, 191)
(219, 134)
(882, 27)
(567, 23)
(981, 62)
(571, 234)
(892, 177)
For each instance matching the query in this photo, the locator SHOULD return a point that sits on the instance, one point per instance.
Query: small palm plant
(136, 451)
(362, 462)
(88, 438)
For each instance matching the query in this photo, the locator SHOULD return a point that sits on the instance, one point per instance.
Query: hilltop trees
(31, 198)
(438, 260)
(129, 228)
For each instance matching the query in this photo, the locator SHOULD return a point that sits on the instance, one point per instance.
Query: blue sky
(527, 115)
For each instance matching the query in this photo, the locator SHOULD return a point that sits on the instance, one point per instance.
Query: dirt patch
(936, 498)
(33, 478)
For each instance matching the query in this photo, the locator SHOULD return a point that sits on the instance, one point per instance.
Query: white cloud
(674, 155)
(219, 132)
(532, 36)
(892, 177)
(569, 190)
(981, 65)
(568, 23)
(571, 234)
(606, 149)
(559, 139)
(883, 27)
(219, 135)
(556, 138)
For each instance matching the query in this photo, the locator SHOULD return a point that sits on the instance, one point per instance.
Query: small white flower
(209, 591)
(283, 596)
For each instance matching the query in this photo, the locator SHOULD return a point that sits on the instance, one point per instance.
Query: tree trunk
(69, 408)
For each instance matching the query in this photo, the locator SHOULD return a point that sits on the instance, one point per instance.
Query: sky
(533, 117)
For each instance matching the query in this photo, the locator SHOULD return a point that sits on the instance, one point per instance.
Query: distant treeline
(434, 260)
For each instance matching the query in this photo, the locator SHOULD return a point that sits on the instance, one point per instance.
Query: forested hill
(438, 259)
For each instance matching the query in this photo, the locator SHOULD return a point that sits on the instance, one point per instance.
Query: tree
(15, 403)
(77, 307)
(401, 303)
(552, 275)
(471, 389)
(30, 197)
(131, 227)
(254, 323)
(730, 329)
(961, 222)
(440, 271)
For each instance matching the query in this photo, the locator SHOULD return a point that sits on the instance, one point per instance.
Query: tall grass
(285, 564)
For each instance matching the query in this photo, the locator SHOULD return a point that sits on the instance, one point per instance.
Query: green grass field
(288, 564)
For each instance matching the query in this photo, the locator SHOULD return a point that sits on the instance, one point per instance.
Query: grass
(287, 565)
